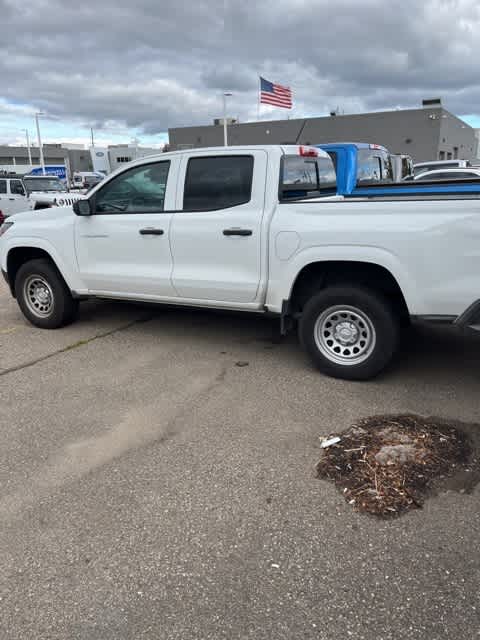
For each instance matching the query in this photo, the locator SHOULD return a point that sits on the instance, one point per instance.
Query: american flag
(275, 94)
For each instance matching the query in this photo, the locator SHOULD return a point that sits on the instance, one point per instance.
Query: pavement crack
(75, 345)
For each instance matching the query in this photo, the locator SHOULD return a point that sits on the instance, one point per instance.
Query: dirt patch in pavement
(386, 465)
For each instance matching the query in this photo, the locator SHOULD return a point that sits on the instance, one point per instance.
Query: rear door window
(220, 182)
(3, 186)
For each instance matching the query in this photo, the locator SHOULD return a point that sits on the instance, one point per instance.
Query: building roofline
(371, 114)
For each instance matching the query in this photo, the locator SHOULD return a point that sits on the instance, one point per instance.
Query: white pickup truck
(251, 229)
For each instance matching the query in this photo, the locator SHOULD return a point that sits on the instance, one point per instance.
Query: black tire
(59, 308)
(367, 318)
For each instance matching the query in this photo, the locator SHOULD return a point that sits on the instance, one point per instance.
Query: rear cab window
(303, 176)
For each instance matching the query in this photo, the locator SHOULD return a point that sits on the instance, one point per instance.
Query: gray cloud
(155, 64)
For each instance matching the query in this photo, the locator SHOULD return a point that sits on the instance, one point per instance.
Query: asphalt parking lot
(152, 488)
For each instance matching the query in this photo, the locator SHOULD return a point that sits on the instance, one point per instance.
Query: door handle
(150, 231)
(237, 232)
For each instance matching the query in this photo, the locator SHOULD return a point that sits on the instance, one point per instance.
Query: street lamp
(28, 147)
(225, 138)
(42, 161)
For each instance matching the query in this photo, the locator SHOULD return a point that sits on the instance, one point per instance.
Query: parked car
(466, 173)
(86, 179)
(48, 191)
(24, 193)
(13, 196)
(432, 165)
(215, 228)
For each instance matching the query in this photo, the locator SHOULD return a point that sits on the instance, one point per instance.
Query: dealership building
(16, 160)
(71, 156)
(428, 133)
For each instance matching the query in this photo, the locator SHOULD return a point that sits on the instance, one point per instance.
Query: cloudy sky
(135, 68)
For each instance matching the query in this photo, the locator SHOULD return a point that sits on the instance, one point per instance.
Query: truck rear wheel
(349, 332)
(43, 296)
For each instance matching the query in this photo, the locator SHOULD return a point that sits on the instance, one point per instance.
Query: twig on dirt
(392, 484)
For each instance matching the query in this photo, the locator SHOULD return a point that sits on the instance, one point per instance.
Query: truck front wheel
(349, 332)
(43, 296)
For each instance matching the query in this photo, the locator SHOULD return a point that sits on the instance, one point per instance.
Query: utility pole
(28, 147)
(91, 133)
(42, 160)
(225, 136)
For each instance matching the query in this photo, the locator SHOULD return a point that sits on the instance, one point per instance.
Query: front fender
(66, 264)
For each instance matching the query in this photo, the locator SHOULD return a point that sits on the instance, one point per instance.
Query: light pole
(42, 161)
(136, 141)
(28, 147)
(225, 137)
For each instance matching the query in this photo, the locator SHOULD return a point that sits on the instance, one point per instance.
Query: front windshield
(43, 184)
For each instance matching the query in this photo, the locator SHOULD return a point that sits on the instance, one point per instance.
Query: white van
(86, 179)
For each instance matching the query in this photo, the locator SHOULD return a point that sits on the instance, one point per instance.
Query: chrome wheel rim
(38, 296)
(345, 335)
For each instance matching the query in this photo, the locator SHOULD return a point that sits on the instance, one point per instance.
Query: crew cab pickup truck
(219, 228)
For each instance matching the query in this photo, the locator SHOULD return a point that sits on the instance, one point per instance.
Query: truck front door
(123, 248)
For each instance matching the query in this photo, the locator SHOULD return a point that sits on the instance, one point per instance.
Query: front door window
(138, 190)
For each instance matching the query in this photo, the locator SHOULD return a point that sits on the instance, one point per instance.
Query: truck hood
(60, 197)
(52, 213)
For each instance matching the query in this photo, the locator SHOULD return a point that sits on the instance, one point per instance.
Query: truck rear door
(215, 233)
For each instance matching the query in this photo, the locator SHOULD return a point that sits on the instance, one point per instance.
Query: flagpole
(258, 97)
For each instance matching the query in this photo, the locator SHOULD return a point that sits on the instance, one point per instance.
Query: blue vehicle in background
(359, 164)
(58, 170)
(367, 170)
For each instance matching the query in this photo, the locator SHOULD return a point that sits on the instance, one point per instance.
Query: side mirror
(82, 208)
